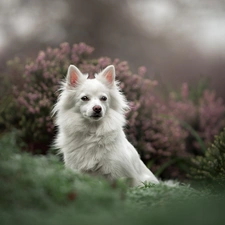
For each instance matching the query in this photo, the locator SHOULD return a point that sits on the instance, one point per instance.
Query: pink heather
(142, 71)
(154, 124)
(184, 91)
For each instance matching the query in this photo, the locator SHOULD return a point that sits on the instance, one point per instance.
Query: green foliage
(41, 181)
(197, 90)
(162, 195)
(8, 145)
(211, 166)
(39, 190)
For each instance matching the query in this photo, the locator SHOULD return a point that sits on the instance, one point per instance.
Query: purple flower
(155, 124)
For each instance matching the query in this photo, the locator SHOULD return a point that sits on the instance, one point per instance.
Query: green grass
(39, 190)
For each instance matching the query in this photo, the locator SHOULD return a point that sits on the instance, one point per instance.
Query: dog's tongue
(91, 76)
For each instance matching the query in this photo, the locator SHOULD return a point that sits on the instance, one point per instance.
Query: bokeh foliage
(166, 130)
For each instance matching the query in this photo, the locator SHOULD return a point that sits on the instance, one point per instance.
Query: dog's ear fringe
(74, 76)
(108, 75)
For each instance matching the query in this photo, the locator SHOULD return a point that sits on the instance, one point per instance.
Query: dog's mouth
(96, 116)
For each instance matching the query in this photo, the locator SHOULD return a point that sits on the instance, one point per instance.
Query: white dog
(90, 119)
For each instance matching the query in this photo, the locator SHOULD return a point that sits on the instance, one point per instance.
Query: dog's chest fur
(89, 152)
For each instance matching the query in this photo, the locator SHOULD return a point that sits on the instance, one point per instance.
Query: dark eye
(85, 98)
(103, 98)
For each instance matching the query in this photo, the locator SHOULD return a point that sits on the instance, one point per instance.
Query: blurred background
(177, 40)
(173, 120)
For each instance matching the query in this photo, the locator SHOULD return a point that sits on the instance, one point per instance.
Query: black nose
(97, 108)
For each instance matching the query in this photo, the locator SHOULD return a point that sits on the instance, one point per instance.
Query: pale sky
(200, 22)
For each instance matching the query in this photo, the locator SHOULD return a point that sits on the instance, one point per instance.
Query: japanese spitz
(90, 116)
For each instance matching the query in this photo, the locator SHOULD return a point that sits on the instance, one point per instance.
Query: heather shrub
(200, 117)
(34, 98)
(8, 78)
(161, 129)
(203, 117)
(211, 166)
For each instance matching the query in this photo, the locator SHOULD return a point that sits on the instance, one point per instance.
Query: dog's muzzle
(97, 112)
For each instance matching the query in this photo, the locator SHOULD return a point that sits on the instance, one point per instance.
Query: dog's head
(92, 96)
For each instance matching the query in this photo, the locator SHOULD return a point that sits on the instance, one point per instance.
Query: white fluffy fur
(96, 145)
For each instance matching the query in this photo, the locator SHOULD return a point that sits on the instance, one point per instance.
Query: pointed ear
(73, 75)
(109, 74)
